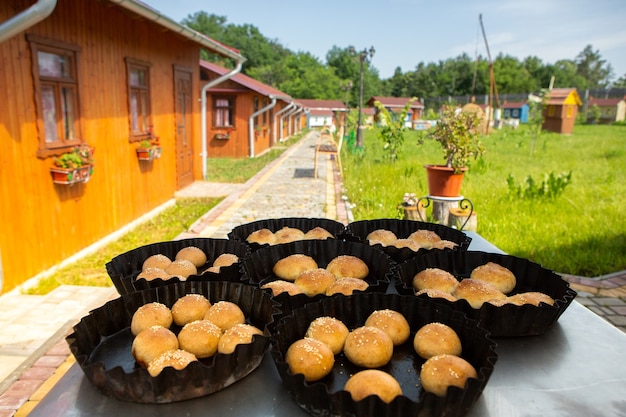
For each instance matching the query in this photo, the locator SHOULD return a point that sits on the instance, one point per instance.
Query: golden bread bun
(348, 266)
(330, 331)
(193, 254)
(181, 268)
(477, 292)
(392, 323)
(177, 359)
(152, 342)
(435, 339)
(436, 279)
(262, 237)
(347, 286)
(373, 382)
(213, 269)
(497, 275)
(200, 337)
(190, 307)
(442, 371)
(291, 266)
(406, 243)
(425, 238)
(381, 237)
(280, 286)
(314, 281)
(152, 273)
(310, 357)
(368, 347)
(532, 297)
(444, 244)
(148, 315)
(239, 334)
(288, 234)
(225, 259)
(433, 293)
(156, 261)
(318, 233)
(225, 314)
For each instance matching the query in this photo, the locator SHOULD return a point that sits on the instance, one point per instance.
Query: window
(55, 77)
(223, 111)
(138, 79)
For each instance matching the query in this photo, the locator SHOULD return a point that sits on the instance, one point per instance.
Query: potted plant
(457, 133)
(149, 148)
(73, 166)
(223, 134)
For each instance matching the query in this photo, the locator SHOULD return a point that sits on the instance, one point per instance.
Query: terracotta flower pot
(443, 182)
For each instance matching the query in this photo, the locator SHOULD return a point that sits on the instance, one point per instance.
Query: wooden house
(610, 110)
(560, 110)
(396, 104)
(324, 112)
(245, 114)
(518, 110)
(107, 73)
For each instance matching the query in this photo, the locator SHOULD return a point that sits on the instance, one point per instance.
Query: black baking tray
(505, 320)
(124, 268)
(240, 233)
(358, 231)
(101, 343)
(326, 397)
(257, 269)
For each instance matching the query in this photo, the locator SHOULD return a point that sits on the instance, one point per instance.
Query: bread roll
(177, 359)
(156, 261)
(477, 292)
(152, 342)
(280, 286)
(432, 293)
(318, 233)
(190, 307)
(314, 281)
(348, 266)
(200, 337)
(225, 259)
(497, 275)
(152, 273)
(225, 314)
(151, 314)
(329, 330)
(239, 334)
(181, 268)
(368, 347)
(444, 244)
(288, 234)
(435, 339)
(406, 243)
(392, 323)
(381, 237)
(310, 357)
(373, 382)
(193, 254)
(532, 297)
(289, 267)
(436, 279)
(262, 237)
(347, 286)
(425, 238)
(442, 371)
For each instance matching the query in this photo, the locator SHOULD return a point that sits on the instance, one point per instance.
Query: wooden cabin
(560, 110)
(245, 116)
(610, 110)
(396, 104)
(107, 74)
(518, 110)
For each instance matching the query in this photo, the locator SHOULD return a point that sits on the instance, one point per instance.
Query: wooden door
(184, 143)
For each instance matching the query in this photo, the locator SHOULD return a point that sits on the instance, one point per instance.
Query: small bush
(550, 187)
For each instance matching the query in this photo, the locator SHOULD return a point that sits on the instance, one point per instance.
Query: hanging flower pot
(443, 182)
(74, 166)
(69, 176)
(148, 154)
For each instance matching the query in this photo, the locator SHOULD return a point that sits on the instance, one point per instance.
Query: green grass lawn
(581, 232)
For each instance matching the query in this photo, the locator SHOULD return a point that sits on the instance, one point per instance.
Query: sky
(407, 32)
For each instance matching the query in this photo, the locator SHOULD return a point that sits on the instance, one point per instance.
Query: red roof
(607, 102)
(333, 105)
(245, 81)
(517, 105)
(390, 102)
(561, 95)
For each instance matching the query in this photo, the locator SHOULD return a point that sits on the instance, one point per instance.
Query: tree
(594, 69)
(306, 77)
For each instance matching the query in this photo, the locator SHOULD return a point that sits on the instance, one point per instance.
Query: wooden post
(458, 216)
(441, 210)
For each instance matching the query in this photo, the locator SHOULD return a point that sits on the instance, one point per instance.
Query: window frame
(139, 135)
(62, 144)
(232, 106)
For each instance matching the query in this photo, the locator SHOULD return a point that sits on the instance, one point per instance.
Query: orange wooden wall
(44, 223)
